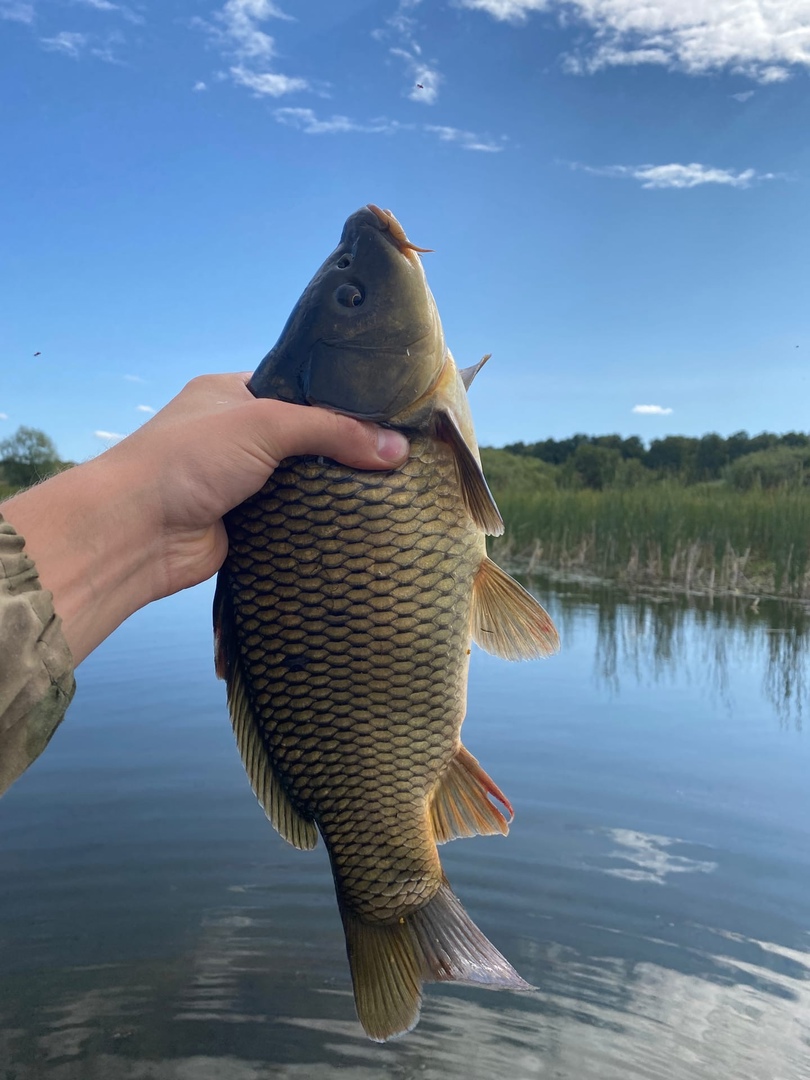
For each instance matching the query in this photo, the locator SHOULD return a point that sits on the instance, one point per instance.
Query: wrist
(90, 535)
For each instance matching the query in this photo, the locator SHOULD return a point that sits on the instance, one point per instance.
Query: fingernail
(391, 446)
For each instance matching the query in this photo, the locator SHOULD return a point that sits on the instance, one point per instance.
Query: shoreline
(526, 564)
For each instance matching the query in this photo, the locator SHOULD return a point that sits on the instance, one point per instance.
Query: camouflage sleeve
(36, 668)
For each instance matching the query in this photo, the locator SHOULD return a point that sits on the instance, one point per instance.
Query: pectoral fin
(506, 620)
(267, 787)
(460, 804)
(477, 497)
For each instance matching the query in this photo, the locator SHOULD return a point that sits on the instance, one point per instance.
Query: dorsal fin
(506, 620)
(468, 373)
(474, 490)
(267, 787)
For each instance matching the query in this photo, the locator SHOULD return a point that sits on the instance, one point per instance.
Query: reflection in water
(654, 889)
(663, 637)
(743, 1012)
(650, 858)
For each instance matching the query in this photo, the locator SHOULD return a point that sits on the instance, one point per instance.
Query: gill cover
(365, 338)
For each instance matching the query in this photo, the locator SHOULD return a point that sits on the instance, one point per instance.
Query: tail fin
(437, 943)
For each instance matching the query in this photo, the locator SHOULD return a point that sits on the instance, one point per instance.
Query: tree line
(742, 460)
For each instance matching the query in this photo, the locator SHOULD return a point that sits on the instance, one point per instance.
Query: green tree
(672, 454)
(595, 465)
(27, 456)
(711, 456)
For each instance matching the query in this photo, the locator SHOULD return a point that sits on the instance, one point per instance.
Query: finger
(292, 430)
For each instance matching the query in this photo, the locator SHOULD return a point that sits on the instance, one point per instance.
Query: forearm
(87, 531)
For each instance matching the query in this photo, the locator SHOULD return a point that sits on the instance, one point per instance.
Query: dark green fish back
(351, 596)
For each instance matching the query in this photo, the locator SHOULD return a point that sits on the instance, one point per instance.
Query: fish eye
(344, 262)
(349, 296)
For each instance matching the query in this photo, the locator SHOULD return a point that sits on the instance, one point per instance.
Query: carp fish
(343, 617)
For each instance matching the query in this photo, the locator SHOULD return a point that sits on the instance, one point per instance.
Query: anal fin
(267, 787)
(460, 805)
(507, 620)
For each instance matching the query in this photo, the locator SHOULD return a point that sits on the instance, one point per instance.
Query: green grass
(699, 537)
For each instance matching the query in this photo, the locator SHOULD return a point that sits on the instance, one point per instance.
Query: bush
(782, 466)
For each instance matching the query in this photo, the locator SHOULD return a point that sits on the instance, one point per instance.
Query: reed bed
(701, 539)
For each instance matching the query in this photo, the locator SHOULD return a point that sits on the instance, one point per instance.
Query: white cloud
(267, 83)
(109, 436)
(16, 11)
(468, 140)
(678, 176)
(145, 408)
(68, 43)
(744, 96)
(762, 39)
(74, 44)
(305, 120)
(514, 11)
(198, 86)
(3, 416)
(652, 410)
(424, 77)
(108, 5)
(237, 31)
(134, 378)
(240, 20)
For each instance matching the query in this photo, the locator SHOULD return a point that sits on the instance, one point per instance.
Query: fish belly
(351, 595)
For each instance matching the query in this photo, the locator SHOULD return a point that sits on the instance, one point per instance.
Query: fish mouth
(394, 232)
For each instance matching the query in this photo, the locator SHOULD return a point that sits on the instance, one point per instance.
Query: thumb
(292, 430)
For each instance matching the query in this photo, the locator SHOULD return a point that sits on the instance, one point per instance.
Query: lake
(654, 888)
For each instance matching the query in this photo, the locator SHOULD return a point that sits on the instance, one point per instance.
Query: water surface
(655, 886)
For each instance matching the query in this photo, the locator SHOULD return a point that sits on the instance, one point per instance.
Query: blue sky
(616, 192)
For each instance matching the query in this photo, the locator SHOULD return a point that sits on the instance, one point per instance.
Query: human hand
(214, 445)
(144, 519)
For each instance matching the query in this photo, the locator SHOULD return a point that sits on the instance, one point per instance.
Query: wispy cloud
(678, 176)
(75, 45)
(467, 140)
(133, 378)
(651, 410)
(70, 44)
(237, 31)
(424, 77)
(762, 39)
(744, 96)
(240, 21)
(109, 436)
(267, 83)
(3, 416)
(306, 120)
(145, 408)
(108, 5)
(16, 11)
(198, 87)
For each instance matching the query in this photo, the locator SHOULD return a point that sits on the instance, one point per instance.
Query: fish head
(365, 338)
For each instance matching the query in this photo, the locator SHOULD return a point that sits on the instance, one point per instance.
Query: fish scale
(354, 648)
